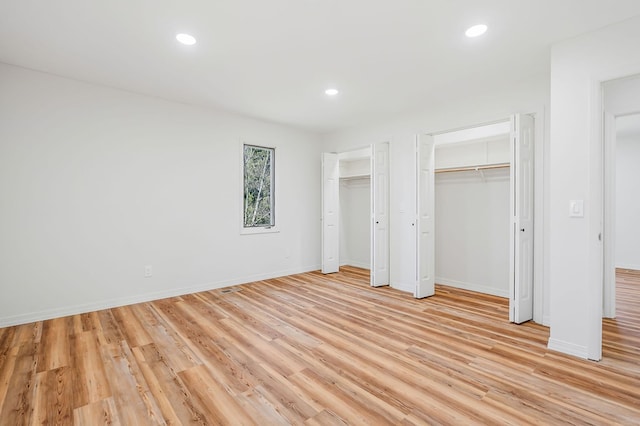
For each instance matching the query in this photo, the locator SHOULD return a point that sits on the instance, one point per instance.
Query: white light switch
(576, 208)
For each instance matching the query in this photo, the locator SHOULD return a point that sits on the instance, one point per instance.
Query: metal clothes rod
(474, 168)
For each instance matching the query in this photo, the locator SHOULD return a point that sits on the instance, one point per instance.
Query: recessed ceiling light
(186, 39)
(476, 30)
(331, 92)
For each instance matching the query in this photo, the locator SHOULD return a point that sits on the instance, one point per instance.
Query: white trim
(355, 263)
(259, 230)
(474, 131)
(541, 164)
(595, 247)
(357, 153)
(479, 288)
(596, 253)
(631, 267)
(148, 297)
(539, 217)
(609, 219)
(568, 348)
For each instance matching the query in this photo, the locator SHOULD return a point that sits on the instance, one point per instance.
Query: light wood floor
(313, 349)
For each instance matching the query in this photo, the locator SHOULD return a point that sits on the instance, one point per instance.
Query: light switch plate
(576, 208)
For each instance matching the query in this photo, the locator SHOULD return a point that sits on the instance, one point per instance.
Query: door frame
(598, 163)
(358, 151)
(540, 195)
(609, 219)
(609, 152)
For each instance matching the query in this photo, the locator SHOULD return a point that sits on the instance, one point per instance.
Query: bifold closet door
(521, 244)
(330, 206)
(425, 273)
(380, 214)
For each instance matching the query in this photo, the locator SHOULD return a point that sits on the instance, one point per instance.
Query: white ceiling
(274, 59)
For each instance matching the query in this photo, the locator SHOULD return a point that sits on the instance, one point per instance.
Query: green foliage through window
(258, 186)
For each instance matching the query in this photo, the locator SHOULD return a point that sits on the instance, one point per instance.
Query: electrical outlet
(148, 271)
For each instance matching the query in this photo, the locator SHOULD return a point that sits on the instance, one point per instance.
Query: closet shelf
(473, 168)
(356, 176)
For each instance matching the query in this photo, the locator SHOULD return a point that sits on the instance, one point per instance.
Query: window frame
(263, 229)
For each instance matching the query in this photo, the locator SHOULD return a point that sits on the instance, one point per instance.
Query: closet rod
(474, 168)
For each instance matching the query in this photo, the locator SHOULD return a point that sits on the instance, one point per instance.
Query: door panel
(521, 259)
(425, 274)
(380, 215)
(330, 206)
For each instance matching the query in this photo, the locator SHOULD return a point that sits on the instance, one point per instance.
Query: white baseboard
(357, 264)
(628, 266)
(472, 287)
(148, 297)
(568, 348)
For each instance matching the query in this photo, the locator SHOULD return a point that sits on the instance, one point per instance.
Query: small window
(258, 186)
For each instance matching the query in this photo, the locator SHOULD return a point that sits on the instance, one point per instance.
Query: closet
(355, 211)
(472, 209)
(484, 223)
(473, 212)
(355, 208)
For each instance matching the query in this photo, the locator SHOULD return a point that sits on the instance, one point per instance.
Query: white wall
(578, 67)
(95, 183)
(525, 94)
(355, 226)
(472, 230)
(627, 199)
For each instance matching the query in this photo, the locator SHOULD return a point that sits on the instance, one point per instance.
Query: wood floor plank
(316, 349)
(53, 400)
(8, 355)
(90, 379)
(213, 399)
(169, 391)
(18, 402)
(103, 412)
(54, 350)
(131, 327)
(130, 392)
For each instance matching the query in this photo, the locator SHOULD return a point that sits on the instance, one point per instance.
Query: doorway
(355, 211)
(472, 180)
(520, 129)
(622, 207)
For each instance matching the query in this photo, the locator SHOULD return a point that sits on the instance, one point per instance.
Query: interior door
(425, 273)
(380, 214)
(330, 206)
(521, 259)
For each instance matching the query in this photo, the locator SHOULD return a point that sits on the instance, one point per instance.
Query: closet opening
(621, 154)
(472, 209)
(355, 211)
(479, 182)
(355, 206)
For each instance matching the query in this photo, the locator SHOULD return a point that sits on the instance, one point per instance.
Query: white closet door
(380, 214)
(521, 259)
(425, 274)
(330, 206)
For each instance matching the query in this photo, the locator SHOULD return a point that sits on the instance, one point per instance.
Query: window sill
(264, 230)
